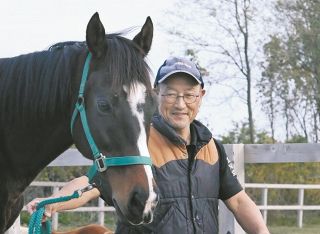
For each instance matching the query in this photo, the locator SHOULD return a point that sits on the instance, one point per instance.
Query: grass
(307, 229)
(72, 220)
(278, 222)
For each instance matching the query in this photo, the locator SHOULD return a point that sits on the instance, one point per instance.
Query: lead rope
(35, 224)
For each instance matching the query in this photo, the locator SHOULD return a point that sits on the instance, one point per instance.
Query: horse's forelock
(126, 64)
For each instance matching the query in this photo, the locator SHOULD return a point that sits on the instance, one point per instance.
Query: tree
(292, 68)
(240, 57)
(224, 38)
(268, 83)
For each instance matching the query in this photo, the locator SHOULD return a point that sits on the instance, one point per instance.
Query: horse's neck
(29, 149)
(33, 139)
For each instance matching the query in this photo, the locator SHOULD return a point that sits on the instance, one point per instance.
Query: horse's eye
(104, 106)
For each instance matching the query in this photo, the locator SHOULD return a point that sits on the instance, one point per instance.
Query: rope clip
(86, 189)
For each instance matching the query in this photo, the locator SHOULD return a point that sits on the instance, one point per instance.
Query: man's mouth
(179, 114)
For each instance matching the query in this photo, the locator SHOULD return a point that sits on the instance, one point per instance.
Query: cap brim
(178, 71)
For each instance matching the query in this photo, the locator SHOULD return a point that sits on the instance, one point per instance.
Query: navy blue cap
(174, 65)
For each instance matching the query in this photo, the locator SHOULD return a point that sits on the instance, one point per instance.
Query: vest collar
(200, 135)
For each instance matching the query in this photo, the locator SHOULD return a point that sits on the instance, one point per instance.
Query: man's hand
(32, 207)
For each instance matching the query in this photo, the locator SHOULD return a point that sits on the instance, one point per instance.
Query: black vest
(191, 179)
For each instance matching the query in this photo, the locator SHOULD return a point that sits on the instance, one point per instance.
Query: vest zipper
(190, 165)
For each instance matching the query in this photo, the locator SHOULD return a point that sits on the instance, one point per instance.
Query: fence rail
(238, 154)
(264, 207)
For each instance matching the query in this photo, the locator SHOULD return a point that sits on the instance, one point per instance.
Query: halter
(101, 162)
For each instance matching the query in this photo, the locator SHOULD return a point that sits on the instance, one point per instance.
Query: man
(190, 167)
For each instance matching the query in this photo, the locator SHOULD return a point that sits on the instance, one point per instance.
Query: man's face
(180, 111)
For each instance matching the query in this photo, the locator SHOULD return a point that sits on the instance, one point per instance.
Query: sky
(34, 25)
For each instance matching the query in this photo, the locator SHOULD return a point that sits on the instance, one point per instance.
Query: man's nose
(180, 101)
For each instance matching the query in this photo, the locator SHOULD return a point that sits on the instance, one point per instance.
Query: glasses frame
(169, 98)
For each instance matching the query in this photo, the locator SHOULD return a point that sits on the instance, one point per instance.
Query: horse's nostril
(147, 218)
(138, 200)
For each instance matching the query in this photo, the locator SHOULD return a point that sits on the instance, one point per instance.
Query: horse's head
(118, 104)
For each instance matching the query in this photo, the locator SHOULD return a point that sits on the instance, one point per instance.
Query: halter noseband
(101, 162)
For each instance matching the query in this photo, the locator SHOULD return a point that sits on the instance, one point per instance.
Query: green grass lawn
(307, 229)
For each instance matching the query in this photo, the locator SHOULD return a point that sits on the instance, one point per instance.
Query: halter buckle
(100, 163)
(86, 189)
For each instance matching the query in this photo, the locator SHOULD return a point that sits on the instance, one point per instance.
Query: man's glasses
(187, 98)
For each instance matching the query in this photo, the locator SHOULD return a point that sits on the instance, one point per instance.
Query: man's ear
(203, 92)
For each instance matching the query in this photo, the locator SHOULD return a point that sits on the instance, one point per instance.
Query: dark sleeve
(229, 184)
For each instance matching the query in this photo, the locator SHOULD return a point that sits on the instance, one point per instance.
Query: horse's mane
(38, 84)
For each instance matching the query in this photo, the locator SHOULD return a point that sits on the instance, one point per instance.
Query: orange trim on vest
(163, 151)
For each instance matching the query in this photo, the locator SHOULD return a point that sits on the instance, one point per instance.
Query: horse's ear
(95, 36)
(144, 38)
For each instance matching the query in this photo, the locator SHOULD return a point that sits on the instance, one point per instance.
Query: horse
(38, 95)
(89, 229)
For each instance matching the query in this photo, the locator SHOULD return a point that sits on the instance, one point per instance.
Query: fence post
(101, 213)
(238, 160)
(265, 204)
(300, 211)
(15, 228)
(227, 222)
(55, 216)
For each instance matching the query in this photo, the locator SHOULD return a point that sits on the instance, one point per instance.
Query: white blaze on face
(136, 98)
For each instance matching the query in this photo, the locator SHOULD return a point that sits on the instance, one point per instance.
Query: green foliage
(240, 134)
(61, 173)
(297, 139)
(24, 218)
(290, 83)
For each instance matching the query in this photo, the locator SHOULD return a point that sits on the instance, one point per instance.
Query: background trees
(289, 85)
(223, 48)
(263, 54)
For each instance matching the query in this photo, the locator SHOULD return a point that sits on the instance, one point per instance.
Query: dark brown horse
(38, 93)
(89, 229)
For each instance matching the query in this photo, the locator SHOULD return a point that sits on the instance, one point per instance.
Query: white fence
(264, 207)
(239, 154)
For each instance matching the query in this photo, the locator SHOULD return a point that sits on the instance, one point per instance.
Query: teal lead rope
(35, 224)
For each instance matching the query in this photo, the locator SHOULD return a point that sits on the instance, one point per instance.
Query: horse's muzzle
(140, 207)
